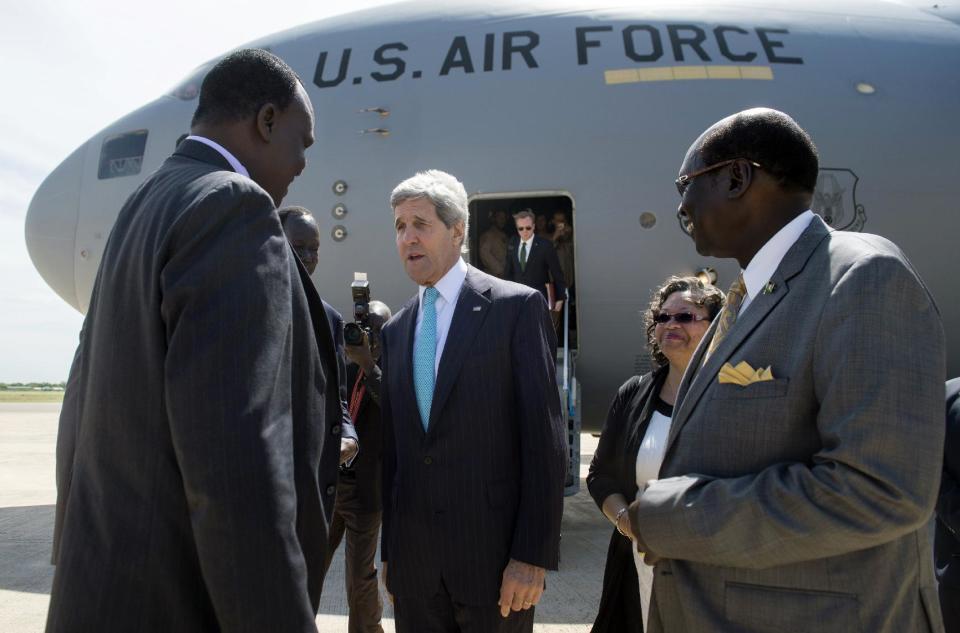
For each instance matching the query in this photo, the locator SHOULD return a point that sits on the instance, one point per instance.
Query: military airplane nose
(51, 227)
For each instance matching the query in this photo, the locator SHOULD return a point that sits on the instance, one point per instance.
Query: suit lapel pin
(769, 288)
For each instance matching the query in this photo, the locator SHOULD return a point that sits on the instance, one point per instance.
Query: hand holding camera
(360, 353)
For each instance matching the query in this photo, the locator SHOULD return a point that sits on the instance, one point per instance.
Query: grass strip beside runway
(31, 396)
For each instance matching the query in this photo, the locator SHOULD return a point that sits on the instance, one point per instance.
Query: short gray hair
(445, 192)
(525, 213)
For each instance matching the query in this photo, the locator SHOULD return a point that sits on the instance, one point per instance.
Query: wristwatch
(616, 521)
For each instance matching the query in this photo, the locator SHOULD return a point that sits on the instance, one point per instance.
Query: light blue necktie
(425, 356)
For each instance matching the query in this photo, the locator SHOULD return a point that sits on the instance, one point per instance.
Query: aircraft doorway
(492, 231)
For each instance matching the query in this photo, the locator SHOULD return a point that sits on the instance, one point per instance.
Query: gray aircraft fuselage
(598, 105)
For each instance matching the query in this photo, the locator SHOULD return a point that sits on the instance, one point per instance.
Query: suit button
(427, 460)
(331, 489)
(335, 430)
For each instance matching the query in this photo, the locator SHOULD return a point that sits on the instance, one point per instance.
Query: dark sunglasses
(524, 228)
(680, 317)
(684, 181)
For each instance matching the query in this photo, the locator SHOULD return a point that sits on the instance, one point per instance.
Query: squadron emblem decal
(835, 199)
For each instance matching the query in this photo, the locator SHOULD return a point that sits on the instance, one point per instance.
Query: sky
(70, 69)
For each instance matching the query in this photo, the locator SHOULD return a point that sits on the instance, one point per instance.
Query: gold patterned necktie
(727, 316)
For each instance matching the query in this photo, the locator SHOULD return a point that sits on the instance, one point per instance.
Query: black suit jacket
(542, 267)
(485, 483)
(946, 546)
(614, 470)
(198, 445)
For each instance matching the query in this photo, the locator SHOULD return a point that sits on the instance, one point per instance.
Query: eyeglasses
(684, 181)
(524, 228)
(663, 318)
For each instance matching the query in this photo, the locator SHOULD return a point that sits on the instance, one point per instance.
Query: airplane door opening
(494, 238)
(492, 231)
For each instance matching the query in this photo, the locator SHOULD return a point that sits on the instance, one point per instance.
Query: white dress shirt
(449, 291)
(529, 244)
(234, 163)
(761, 268)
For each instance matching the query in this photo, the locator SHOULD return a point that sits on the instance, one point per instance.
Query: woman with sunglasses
(634, 439)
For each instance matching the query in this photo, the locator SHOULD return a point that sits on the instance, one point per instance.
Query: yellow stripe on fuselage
(682, 73)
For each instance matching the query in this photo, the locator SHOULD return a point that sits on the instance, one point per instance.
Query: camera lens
(352, 334)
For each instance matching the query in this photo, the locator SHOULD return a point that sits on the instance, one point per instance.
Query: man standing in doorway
(532, 261)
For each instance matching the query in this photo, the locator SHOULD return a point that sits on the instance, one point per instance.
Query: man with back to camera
(196, 461)
(474, 445)
(947, 537)
(532, 261)
(357, 512)
(803, 457)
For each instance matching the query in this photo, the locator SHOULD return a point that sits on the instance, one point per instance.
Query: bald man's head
(767, 137)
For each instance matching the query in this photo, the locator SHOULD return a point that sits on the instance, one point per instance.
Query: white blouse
(654, 445)
(649, 459)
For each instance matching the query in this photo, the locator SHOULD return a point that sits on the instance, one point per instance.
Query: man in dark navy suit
(532, 261)
(946, 545)
(203, 423)
(474, 444)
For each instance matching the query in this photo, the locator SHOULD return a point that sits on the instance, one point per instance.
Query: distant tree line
(32, 386)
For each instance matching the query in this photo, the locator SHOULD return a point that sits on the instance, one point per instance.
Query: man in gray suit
(474, 446)
(202, 429)
(802, 462)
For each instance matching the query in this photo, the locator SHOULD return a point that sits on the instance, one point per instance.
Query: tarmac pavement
(28, 435)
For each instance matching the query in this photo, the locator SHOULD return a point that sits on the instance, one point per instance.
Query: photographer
(358, 504)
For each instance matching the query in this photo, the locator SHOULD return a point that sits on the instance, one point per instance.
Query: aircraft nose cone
(51, 227)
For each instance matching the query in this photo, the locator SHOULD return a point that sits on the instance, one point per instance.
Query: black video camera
(360, 290)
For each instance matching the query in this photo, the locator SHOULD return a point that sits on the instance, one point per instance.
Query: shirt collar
(234, 163)
(528, 240)
(450, 284)
(768, 258)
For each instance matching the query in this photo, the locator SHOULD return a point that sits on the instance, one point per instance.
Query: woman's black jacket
(613, 470)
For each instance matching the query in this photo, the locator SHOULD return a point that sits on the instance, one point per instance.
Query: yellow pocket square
(743, 374)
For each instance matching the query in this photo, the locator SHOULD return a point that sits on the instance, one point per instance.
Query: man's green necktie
(523, 257)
